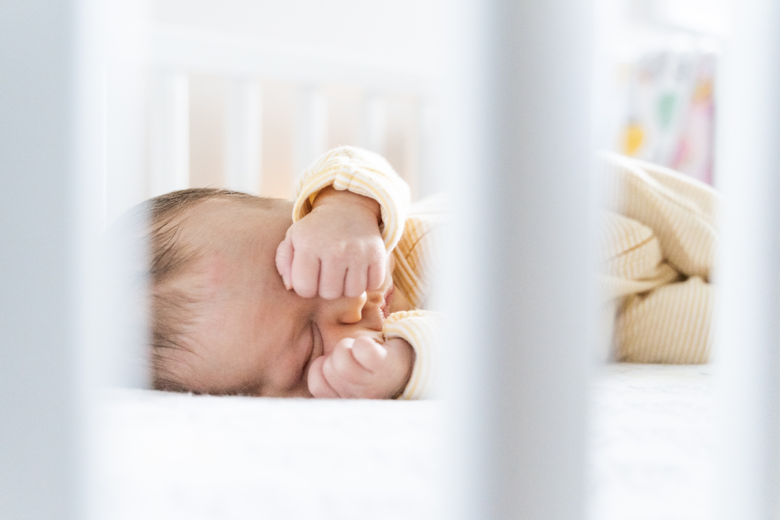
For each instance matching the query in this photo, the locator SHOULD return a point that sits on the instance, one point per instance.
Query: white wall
(401, 33)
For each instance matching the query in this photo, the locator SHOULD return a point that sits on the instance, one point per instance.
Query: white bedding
(652, 443)
(172, 457)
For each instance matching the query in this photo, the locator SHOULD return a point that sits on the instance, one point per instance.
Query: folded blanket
(657, 242)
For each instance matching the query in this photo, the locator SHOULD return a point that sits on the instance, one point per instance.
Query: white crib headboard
(175, 53)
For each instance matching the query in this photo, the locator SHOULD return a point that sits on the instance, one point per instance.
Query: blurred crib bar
(748, 336)
(517, 155)
(55, 60)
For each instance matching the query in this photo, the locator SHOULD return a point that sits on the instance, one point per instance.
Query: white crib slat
(243, 136)
(423, 149)
(170, 133)
(311, 127)
(747, 341)
(374, 131)
(515, 152)
(50, 223)
(427, 118)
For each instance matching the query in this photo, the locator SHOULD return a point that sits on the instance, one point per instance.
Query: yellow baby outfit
(656, 240)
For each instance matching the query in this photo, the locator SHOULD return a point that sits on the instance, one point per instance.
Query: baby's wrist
(330, 196)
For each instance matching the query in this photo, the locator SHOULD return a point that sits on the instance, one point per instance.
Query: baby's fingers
(341, 364)
(344, 374)
(368, 353)
(305, 274)
(284, 258)
(318, 385)
(355, 282)
(376, 275)
(332, 276)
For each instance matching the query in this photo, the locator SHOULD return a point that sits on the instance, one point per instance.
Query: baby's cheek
(281, 376)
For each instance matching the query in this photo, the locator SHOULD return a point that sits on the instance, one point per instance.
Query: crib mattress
(169, 456)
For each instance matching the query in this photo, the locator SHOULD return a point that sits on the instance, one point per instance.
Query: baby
(322, 297)
(319, 297)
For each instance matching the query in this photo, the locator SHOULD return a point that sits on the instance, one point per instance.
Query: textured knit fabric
(422, 330)
(657, 242)
(408, 232)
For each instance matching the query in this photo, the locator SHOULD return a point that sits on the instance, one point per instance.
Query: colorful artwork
(671, 111)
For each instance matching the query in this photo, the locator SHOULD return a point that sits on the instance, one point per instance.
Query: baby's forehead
(221, 211)
(234, 280)
(228, 236)
(230, 221)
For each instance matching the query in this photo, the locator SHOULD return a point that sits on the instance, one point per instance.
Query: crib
(73, 129)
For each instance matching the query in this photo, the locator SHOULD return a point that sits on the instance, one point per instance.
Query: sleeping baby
(320, 297)
(324, 296)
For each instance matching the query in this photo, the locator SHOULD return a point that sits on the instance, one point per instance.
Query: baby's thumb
(284, 259)
(318, 385)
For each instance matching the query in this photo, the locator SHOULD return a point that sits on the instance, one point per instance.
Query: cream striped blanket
(657, 243)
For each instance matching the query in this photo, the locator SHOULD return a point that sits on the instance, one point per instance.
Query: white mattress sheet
(170, 456)
(652, 443)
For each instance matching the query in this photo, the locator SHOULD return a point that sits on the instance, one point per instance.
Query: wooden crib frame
(511, 144)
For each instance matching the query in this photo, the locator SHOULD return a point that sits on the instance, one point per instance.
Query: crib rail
(206, 52)
(176, 53)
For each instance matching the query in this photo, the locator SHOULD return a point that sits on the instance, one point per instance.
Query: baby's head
(222, 321)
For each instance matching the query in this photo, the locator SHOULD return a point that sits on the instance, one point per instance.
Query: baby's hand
(335, 250)
(361, 368)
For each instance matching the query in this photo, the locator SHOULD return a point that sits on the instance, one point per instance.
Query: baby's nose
(350, 310)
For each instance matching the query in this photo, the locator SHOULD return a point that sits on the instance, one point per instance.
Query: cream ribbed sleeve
(361, 172)
(422, 330)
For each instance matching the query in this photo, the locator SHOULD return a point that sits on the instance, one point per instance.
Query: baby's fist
(362, 368)
(336, 250)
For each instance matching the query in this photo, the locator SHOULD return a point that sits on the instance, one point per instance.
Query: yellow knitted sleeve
(422, 330)
(415, 255)
(361, 172)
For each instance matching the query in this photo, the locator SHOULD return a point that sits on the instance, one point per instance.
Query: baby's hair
(172, 308)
